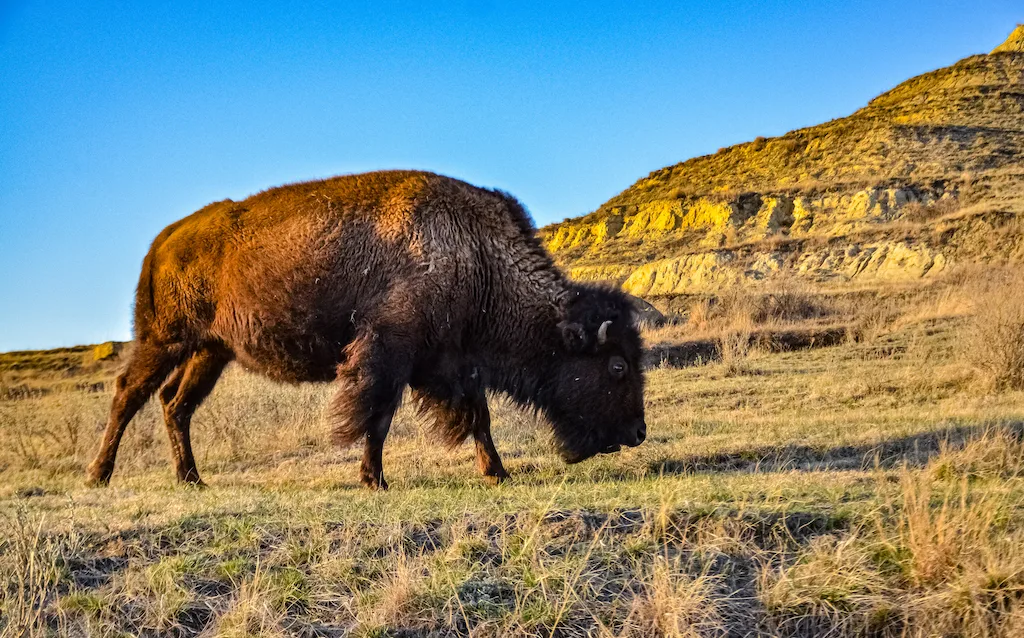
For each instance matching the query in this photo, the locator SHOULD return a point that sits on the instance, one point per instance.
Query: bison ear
(574, 336)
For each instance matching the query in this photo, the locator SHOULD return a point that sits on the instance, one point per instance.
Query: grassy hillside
(940, 152)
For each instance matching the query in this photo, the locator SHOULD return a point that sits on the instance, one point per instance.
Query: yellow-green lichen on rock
(106, 351)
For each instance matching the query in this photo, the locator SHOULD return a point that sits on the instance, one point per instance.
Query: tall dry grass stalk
(32, 569)
(252, 612)
(834, 583)
(674, 604)
(964, 567)
(394, 601)
(942, 560)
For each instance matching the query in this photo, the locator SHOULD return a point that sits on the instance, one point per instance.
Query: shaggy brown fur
(381, 281)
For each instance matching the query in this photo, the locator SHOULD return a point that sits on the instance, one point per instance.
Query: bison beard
(380, 281)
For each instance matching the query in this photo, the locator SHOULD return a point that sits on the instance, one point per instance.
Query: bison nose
(636, 435)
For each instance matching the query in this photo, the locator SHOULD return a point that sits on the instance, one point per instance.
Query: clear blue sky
(119, 118)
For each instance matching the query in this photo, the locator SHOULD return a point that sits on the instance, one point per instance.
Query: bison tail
(145, 304)
(145, 297)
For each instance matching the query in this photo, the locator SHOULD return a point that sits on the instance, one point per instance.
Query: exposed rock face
(869, 258)
(683, 274)
(749, 217)
(610, 272)
(647, 314)
(853, 199)
(881, 262)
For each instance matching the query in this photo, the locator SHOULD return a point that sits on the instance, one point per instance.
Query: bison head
(595, 401)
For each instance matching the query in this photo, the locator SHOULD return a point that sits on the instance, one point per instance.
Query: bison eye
(617, 367)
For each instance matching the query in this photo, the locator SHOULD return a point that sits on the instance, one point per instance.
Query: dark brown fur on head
(595, 396)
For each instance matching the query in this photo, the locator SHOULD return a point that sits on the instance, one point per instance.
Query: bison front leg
(145, 371)
(374, 372)
(455, 421)
(487, 458)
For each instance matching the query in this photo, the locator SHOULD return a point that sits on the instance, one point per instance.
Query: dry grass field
(872, 488)
(835, 416)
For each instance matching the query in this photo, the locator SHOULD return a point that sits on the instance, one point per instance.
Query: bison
(380, 281)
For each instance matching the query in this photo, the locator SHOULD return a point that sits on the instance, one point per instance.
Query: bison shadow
(915, 450)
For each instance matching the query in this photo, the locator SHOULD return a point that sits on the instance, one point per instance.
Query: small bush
(680, 192)
(993, 341)
(919, 213)
(740, 311)
(876, 320)
(674, 604)
(734, 350)
(787, 304)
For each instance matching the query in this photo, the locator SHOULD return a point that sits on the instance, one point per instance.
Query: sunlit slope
(926, 176)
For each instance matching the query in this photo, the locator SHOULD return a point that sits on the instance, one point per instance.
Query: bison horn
(602, 333)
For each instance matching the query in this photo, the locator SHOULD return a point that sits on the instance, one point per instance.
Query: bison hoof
(97, 477)
(496, 479)
(374, 482)
(194, 484)
(97, 481)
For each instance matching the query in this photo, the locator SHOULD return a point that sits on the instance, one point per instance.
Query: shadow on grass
(696, 352)
(914, 451)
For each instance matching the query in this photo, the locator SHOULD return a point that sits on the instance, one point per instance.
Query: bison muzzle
(380, 281)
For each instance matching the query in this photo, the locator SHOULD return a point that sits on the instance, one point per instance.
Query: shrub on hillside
(993, 342)
(919, 213)
(737, 306)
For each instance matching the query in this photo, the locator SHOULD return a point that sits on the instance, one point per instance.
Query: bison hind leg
(187, 388)
(147, 368)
